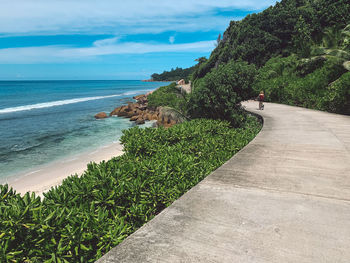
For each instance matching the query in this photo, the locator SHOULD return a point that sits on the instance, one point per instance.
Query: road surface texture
(285, 197)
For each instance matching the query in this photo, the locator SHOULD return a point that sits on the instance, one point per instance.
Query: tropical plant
(169, 96)
(336, 43)
(219, 93)
(303, 82)
(86, 216)
(337, 95)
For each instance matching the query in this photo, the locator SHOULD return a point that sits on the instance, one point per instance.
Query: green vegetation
(85, 217)
(174, 74)
(318, 83)
(298, 52)
(291, 26)
(219, 93)
(179, 73)
(170, 96)
(301, 49)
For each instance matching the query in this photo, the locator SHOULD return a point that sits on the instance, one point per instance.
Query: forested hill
(291, 26)
(173, 74)
(297, 52)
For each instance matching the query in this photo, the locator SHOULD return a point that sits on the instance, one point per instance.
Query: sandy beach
(44, 177)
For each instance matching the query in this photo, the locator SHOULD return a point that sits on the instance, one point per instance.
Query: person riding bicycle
(261, 100)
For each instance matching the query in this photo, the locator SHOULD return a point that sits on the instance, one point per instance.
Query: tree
(219, 93)
(201, 60)
(302, 40)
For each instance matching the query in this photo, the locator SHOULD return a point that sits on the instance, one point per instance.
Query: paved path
(284, 198)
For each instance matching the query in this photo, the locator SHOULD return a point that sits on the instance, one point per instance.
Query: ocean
(44, 121)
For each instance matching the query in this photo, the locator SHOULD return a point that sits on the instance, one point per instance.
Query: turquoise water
(44, 121)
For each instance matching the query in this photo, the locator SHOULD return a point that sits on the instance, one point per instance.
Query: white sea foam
(54, 103)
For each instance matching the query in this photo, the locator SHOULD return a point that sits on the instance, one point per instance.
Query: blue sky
(110, 39)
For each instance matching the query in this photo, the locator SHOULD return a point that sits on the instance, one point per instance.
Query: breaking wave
(54, 103)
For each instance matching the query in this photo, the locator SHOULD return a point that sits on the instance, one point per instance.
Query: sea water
(44, 121)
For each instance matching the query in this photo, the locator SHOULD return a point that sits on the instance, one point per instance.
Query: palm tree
(332, 38)
(336, 43)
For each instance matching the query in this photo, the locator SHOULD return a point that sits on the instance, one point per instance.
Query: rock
(165, 120)
(146, 117)
(143, 107)
(123, 111)
(140, 112)
(142, 99)
(153, 116)
(134, 118)
(101, 115)
(140, 121)
(132, 113)
(115, 112)
(138, 97)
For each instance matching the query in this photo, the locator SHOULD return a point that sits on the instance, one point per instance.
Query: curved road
(284, 198)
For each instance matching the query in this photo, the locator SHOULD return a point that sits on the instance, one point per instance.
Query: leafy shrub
(307, 66)
(337, 96)
(219, 93)
(274, 77)
(85, 217)
(169, 96)
(304, 83)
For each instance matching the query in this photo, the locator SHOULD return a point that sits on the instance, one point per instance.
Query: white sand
(45, 177)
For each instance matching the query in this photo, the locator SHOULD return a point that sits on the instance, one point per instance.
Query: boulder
(123, 111)
(140, 121)
(141, 99)
(132, 113)
(138, 111)
(153, 116)
(143, 107)
(146, 116)
(134, 118)
(115, 111)
(138, 97)
(101, 115)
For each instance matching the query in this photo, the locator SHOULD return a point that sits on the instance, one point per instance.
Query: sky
(110, 39)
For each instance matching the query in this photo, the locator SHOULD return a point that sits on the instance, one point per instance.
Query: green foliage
(336, 97)
(309, 65)
(315, 30)
(219, 93)
(174, 74)
(302, 40)
(290, 26)
(85, 217)
(304, 82)
(169, 96)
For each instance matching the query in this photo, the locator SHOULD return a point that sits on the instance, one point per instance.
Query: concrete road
(284, 198)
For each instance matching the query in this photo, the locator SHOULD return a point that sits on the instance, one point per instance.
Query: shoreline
(43, 178)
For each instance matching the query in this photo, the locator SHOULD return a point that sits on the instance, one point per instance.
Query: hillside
(279, 30)
(173, 74)
(298, 52)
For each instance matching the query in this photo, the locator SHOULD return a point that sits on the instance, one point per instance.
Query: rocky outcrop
(139, 112)
(101, 115)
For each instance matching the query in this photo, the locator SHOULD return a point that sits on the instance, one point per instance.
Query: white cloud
(172, 39)
(19, 17)
(49, 54)
(105, 42)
